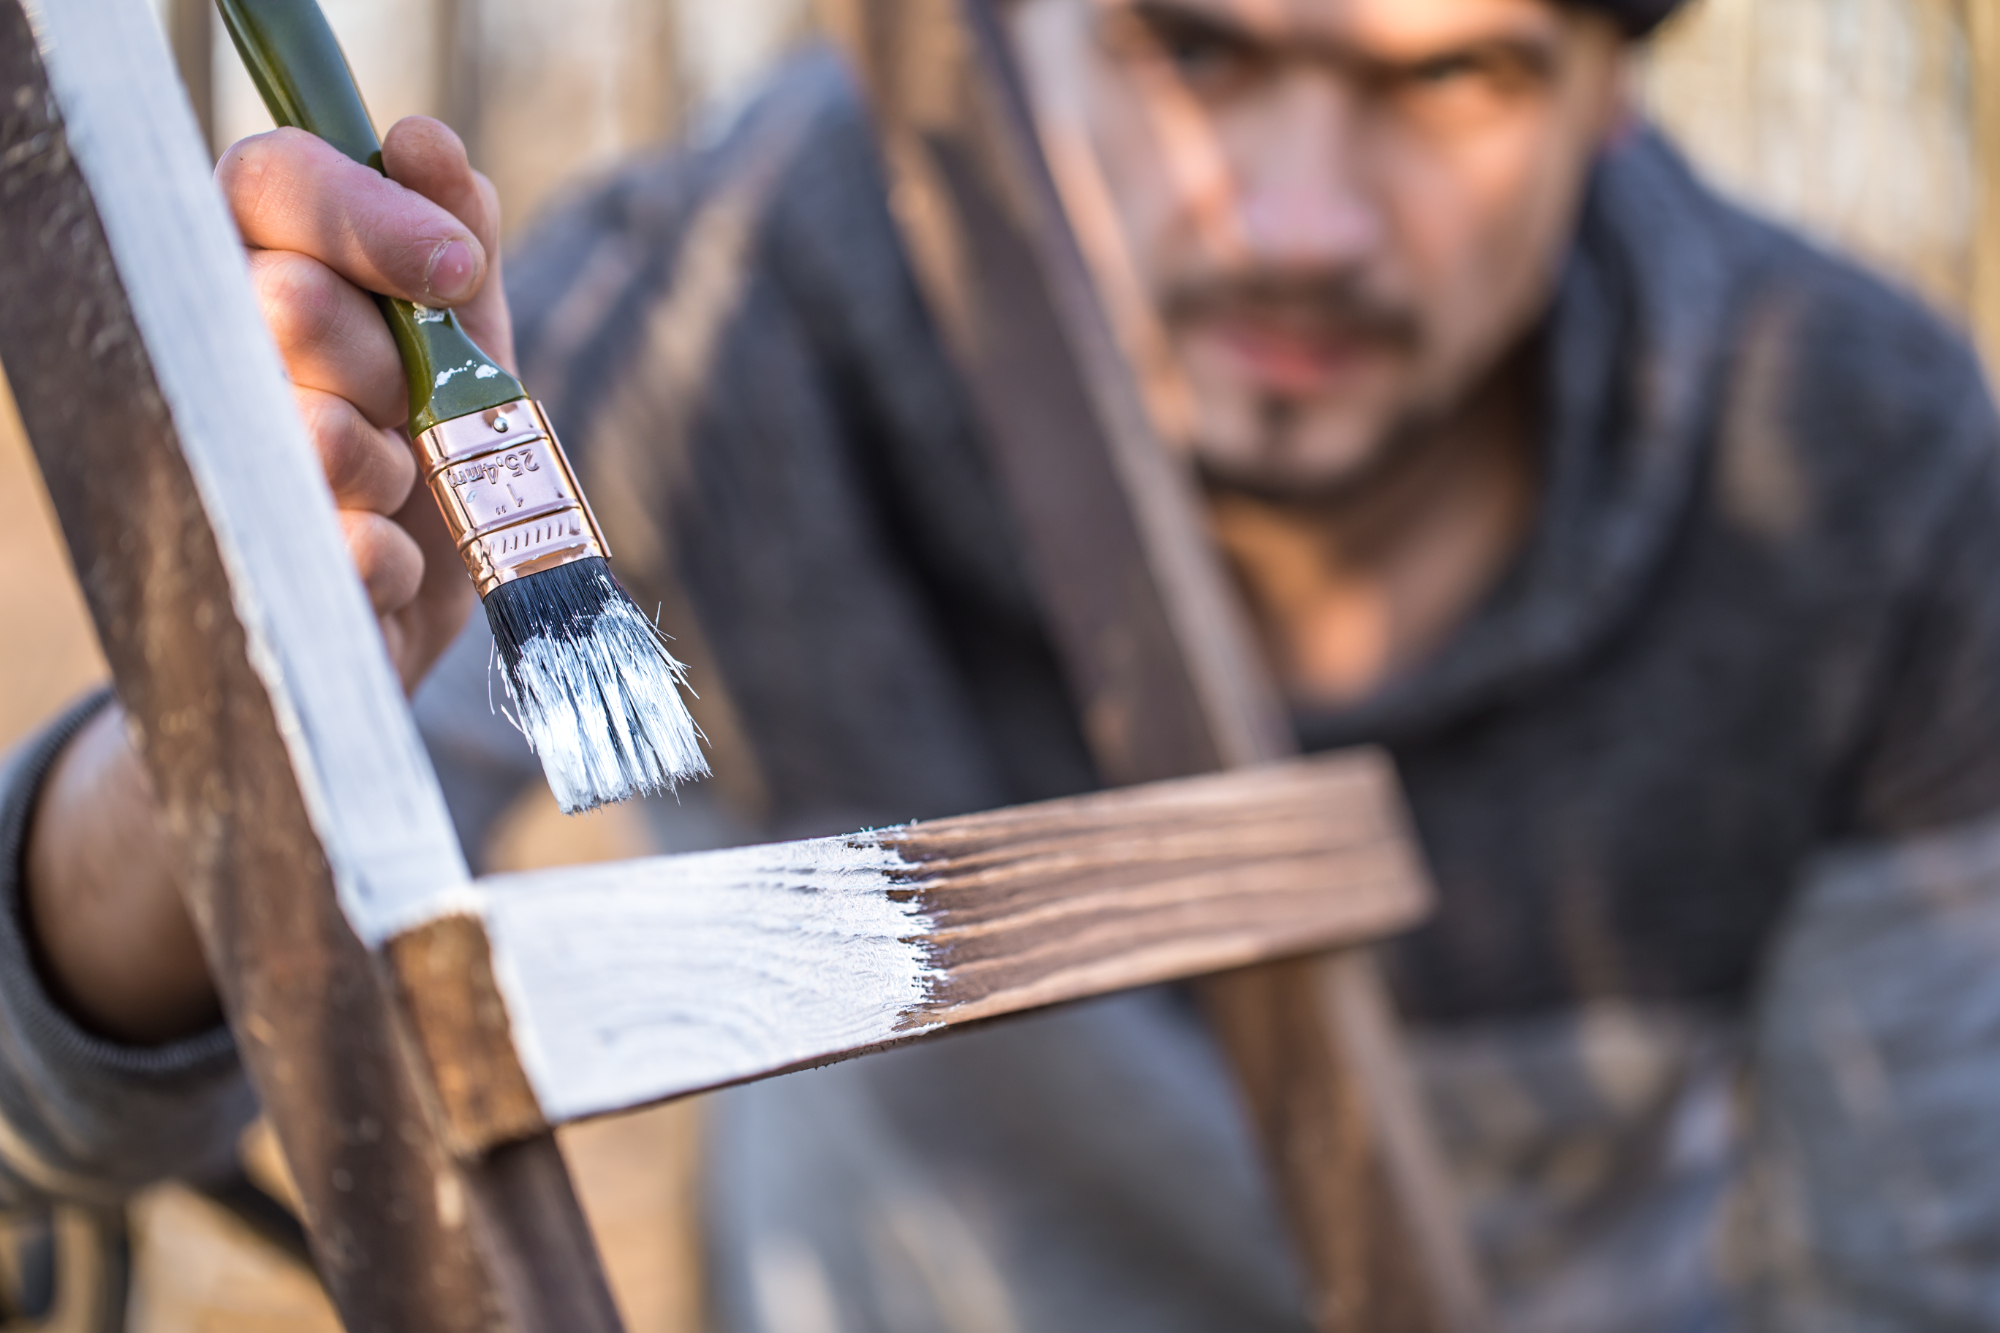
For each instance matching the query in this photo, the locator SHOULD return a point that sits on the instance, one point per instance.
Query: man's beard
(1266, 476)
(1329, 305)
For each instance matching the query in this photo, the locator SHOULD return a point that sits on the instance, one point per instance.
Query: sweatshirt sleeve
(1877, 1028)
(82, 1118)
(1877, 1045)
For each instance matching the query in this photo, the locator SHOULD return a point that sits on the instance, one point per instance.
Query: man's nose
(1303, 201)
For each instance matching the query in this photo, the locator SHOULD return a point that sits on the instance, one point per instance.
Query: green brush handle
(298, 67)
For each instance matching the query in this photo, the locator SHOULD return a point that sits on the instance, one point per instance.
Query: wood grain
(1057, 901)
(297, 801)
(545, 94)
(1983, 50)
(637, 981)
(1166, 678)
(1846, 118)
(462, 1027)
(190, 26)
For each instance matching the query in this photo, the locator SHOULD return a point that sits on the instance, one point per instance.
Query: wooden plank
(301, 810)
(1166, 677)
(1848, 118)
(445, 968)
(641, 1177)
(1983, 42)
(544, 94)
(190, 28)
(51, 653)
(641, 980)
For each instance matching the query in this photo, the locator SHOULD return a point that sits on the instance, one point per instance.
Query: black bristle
(593, 686)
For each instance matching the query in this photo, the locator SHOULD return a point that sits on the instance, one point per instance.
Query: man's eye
(1211, 58)
(1202, 56)
(1444, 69)
(1469, 77)
(1195, 51)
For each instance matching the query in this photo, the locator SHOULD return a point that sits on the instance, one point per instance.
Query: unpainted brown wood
(445, 971)
(191, 37)
(1065, 899)
(460, 74)
(1311, 1105)
(544, 93)
(1166, 678)
(1982, 21)
(407, 1238)
(1847, 118)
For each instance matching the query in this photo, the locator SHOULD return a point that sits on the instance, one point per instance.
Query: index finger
(292, 191)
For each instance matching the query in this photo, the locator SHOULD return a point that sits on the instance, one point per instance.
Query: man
(1655, 544)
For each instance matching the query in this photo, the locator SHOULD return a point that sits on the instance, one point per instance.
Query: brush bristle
(593, 687)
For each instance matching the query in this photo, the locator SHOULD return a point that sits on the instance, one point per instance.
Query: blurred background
(1875, 124)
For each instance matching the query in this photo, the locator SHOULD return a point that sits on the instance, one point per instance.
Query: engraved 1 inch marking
(518, 463)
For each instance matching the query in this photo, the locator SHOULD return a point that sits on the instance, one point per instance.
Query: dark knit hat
(1637, 17)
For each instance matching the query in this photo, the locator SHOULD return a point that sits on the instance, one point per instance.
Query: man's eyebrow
(1539, 58)
(1205, 21)
(1187, 20)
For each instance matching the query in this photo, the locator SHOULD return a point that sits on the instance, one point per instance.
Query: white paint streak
(602, 709)
(626, 983)
(444, 376)
(367, 785)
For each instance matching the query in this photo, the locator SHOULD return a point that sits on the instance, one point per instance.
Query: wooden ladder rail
(407, 1236)
(1153, 639)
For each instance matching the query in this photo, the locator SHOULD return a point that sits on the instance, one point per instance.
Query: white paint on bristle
(687, 972)
(603, 711)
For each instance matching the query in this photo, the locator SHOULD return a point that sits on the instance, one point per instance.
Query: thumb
(424, 155)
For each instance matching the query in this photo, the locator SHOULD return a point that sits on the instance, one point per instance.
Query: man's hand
(323, 232)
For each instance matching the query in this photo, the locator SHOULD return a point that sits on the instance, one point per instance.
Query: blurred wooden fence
(542, 93)
(1867, 121)
(1874, 124)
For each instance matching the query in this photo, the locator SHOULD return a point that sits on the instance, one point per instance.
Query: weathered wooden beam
(1982, 21)
(626, 983)
(302, 812)
(1166, 678)
(190, 26)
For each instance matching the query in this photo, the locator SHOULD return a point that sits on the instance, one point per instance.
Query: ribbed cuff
(57, 1036)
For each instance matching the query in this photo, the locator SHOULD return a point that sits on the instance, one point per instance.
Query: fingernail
(451, 273)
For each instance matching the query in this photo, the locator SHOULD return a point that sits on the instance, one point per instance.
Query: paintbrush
(589, 677)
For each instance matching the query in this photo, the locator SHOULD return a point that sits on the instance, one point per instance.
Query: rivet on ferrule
(508, 494)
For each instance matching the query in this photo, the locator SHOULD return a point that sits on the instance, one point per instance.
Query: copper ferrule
(508, 494)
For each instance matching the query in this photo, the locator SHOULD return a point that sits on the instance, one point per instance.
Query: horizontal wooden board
(643, 980)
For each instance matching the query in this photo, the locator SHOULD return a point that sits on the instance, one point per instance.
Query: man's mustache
(1328, 304)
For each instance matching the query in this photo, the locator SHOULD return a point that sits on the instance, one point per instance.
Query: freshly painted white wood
(634, 981)
(367, 782)
(628, 981)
